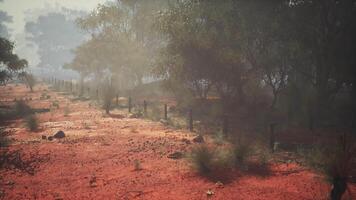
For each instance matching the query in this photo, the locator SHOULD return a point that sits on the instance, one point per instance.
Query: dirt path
(97, 160)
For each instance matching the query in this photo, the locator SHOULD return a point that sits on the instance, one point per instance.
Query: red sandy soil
(96, 160)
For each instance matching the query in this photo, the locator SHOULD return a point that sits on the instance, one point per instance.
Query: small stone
(59, 135)
(219, 184)
(44, 137)
(50, 138)
(210, 193)
(198, 139)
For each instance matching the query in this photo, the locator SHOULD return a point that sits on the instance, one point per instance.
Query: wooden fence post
(145, 107)
(272, 137)
(225, 125)
(165, 112)
(190, 120)
(130, 104)
(117, 99)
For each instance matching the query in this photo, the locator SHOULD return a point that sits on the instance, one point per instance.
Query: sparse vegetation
(32, 123)
(22, 109)
(334, 161)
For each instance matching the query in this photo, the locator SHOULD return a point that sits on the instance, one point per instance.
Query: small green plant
(32, 123)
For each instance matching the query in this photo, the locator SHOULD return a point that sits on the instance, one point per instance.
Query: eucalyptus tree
(10, 63)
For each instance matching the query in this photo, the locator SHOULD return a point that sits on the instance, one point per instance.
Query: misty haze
(178, 99)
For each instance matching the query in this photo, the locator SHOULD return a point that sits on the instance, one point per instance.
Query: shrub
(32, 123)
(22, 109)
(4, 140)
(202, 159)
(215, 164)
(263, 157)
(55, 104)
(241, 153)
(334, 161)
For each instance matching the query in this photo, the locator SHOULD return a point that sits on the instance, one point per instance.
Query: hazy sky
(25, 10)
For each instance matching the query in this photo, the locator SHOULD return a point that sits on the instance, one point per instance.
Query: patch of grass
(32, 123)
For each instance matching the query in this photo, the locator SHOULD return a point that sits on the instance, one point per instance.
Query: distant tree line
(290, 58)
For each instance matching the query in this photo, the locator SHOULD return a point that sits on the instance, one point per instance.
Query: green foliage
(32, 123)
(11, 62)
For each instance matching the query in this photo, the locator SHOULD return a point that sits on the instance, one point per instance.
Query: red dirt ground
(96, 160)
